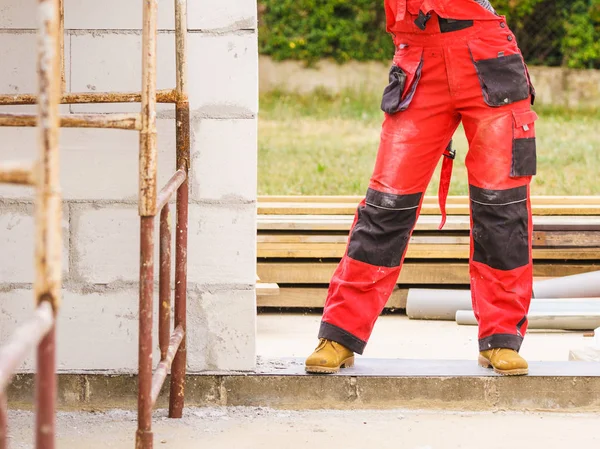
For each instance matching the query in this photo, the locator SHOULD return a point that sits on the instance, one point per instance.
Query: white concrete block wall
(91, 326)
(99, 176)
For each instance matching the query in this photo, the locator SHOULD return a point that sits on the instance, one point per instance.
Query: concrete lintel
(559, 386)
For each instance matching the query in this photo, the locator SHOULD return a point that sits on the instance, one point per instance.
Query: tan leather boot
(329, 357)
(504, 361)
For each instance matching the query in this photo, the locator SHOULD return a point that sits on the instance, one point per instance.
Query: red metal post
(164, 282)
(144, 432)
(45, 391)
(181, 242)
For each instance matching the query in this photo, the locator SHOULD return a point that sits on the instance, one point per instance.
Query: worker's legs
(494, 100)
(412, 142)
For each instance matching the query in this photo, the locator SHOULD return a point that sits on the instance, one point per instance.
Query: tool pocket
(501, 70)
(404, 77)
(524, 158)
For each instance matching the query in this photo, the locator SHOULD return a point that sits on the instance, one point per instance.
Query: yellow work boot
(329, 357)
(504, 361)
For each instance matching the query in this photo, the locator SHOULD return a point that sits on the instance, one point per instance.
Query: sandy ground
(259, 428)
(394, 336)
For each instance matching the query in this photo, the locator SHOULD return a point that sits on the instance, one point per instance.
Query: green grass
(321, 144)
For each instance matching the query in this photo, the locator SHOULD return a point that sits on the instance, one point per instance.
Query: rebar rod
(13, 172)
(114, 121)
(163, 367)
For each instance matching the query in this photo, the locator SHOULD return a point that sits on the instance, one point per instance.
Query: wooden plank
(343, 222)
(264, 289)
(424, 223)
(315, 298)
(576, 239)
(413, 273)
(274, 208)
(343, 238)
(418, 251)
(429, 199)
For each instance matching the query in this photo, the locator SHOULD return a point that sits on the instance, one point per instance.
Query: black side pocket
(503, 80)
(392, 95)
(524, 151)
(524, 158)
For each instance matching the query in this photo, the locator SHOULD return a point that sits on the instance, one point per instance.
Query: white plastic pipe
(585, 285)
(442, 304)
(579, 321)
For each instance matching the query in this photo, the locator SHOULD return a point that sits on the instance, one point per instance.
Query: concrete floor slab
(428, 368)
(263, 428)
(395, 336)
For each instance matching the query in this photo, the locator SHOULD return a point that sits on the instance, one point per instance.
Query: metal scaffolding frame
(44, 177)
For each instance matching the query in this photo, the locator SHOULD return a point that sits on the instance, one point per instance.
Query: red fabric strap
(445, 177)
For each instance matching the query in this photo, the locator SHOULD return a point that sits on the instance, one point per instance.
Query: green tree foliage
(309, 30)
(581, 45)
(550, 32)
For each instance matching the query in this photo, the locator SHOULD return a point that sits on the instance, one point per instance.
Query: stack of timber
(302, 238)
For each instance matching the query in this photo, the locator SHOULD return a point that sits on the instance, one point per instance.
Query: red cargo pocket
(524, 158)
(404, 77)
(500, 68)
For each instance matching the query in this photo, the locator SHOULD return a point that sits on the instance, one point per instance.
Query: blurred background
(323, 67)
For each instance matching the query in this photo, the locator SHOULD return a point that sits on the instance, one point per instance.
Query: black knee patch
(383, 228)
(500, 227)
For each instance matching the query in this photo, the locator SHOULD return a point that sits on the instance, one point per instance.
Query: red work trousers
(453, 71)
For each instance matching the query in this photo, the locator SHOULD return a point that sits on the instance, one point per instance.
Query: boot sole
(348, 363)
(485, 363)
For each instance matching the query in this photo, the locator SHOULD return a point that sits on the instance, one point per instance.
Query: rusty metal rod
(48, 210)
(170, 188)
(164, 282)
(17, 173)
(46, 384)
(177, 395)
(181, 46)
(163, 367)
(22, 341)
(144, 432)
(162, 96)
(61, 43)
(114, 121)
(148, 153)
(3, 421)
(147, 211)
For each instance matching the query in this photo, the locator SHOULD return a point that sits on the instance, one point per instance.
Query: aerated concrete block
(223, 75)
(95, 331)
(221, 330)
(222, 244)
(19, 14)
(98, 67)
(18, 68)
(17, 240)
(115, 14)
(222, 15)
(95, 164)
(224, 163)
(105, 245)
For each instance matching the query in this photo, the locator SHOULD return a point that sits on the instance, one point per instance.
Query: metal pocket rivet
(510, 38)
